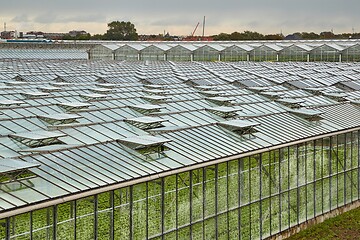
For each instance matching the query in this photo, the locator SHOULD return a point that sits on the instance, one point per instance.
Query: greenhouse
(104, 52)
(175, 150)
(235, 53)
(298, 53)
(326, 52)
(128, 52)
(265, 53)
(208, 53)
(180, 53)
(154, 52)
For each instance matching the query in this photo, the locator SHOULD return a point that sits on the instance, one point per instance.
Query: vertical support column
(248, 57)
(192, 57)
(96, 217)
(219, 57)
(138, 57)
(55, 221)
(340, 57)
(308, 57)
(165, 57)
(113, 55)
(277, 57)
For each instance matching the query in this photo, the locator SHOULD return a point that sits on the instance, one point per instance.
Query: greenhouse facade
(175, 150)
(305, 51)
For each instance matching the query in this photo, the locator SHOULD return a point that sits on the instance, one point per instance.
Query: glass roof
(79, 140)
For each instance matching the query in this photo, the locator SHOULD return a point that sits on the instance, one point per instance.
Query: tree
(121, 31)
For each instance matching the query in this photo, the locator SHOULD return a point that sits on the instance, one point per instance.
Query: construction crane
(192, 34)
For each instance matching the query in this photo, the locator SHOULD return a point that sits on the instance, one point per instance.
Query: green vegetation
(344, 226)
(274, 191)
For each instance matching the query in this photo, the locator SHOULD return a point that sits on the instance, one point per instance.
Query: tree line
(126, 31)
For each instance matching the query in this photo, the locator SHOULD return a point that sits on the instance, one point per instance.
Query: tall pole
(203, 34)
(4, 26)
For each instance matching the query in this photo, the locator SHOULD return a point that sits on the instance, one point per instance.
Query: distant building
(75, 33)
(8, 34)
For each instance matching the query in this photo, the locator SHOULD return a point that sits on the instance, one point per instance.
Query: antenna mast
(203, 33)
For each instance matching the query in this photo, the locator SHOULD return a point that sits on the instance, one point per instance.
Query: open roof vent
(146, 123)
(16, 174)
(241, 127)
(50, 89)
(308, 114)
(222, 101)
(291, 102)
(38, 138)
(61, 118)
(31, 95)
(93, 96)
(225, 112)
(10, 103)
(102, 90)
(341, 97)
(147, 108)
(74, 106)
(156, 91)
(146, 145)
(156, 98)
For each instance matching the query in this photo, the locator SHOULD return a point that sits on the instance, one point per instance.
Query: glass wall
(101, 52)
(351, 54)
(178, 53)
(293, 53)
(126, 53)
(152, 53)
(234, 53)
(263, 53)
(324, 53)
(249, 198)
(206, 53)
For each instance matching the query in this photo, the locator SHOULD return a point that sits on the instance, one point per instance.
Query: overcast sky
(181, 17)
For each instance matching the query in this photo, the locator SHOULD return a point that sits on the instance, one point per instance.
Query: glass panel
(210, 197)
(197, 194)
(85, 218)
(222, 187)
(3, 228)
(183, 194)
(42, 223)
(104, 212)
(139, 211)
(154, 207)
(122, 199)
(223, 227)
(20, 226)
(170, 204)
(65, 221)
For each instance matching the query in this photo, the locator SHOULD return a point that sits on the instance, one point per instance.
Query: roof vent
(241, 127)
(15, 174)
(93, 96)
(146, 123)
(74, 106)
(156, 98)
(147, 108)
(31, 95)
(225, 112)
(222, 101)
(61, 118)
(38, 138)
(308, 114)
(10, 103)
(156, 91)
(290, 102)
(146, 145)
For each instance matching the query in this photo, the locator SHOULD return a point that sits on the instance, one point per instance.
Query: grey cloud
(20, 18)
